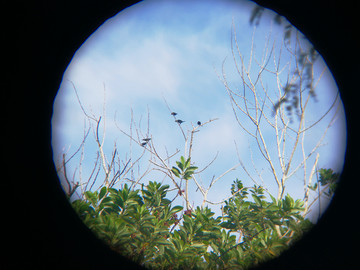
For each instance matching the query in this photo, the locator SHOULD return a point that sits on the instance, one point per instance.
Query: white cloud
(220, 136)
(139, 59)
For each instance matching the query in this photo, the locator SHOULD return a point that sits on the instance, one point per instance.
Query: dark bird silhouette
(146, 139)
(199, 123)
(143, 144)
(173, 113)
(179, 121)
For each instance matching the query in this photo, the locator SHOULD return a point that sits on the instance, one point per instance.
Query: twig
(77, 150)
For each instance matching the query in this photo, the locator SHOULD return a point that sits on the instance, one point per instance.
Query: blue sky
(174, 49)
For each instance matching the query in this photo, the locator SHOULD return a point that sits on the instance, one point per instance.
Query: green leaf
(163, 242)
(257, 200)
(187, 163)
(273, 207)
(113, 191)
(187, 176)
(182, 160)
(102, 193)
(180, 165)
(192, 168)
(288, 202)
(189, 172)
(175, 171)
(148, 193)
(120, 202)
(273, 199)
(163, 188)
(106, 200)
(176, 209)
(91, 197)
(81, 207)
(198, 245)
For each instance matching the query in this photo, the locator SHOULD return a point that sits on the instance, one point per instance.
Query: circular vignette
(51, 192)
(179, 120)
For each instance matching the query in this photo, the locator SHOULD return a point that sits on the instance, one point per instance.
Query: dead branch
(252, 103)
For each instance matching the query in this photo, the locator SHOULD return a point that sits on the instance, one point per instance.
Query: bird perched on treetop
(146, 139)
(199, 123)
(179, 121)
(143, 144)
(173, 113)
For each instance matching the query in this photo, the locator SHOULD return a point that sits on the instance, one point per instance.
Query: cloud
(220, 137)
(144, 55)
(138, 57)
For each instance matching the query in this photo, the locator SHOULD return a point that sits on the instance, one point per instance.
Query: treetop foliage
(140, 224)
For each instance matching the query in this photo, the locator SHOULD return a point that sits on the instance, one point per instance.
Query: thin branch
(227, 198)
(92, 172)
(243, 167)
(76, 151)
(322, 117)
(208, 165)
(223, 174)
(81, 106)
(65, 174)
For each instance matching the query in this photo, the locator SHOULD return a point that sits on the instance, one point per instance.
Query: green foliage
(328, 180)
(140, 224)
(184, 170)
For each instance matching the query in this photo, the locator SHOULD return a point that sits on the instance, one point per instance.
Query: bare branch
(213, 181)
(208, 165)
(81, 106)
(253, 103)
(65, 175)
(229, 197)
(76, 151)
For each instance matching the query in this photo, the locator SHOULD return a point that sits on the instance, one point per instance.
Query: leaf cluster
(140, 224)
(184, 170)
(328, 179)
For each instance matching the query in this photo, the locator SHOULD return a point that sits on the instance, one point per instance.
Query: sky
(173, 50)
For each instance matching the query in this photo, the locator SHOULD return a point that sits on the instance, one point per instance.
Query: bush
(140, 225)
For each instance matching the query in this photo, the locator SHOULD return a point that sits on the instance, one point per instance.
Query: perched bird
(199, 123)
(179, 121)
(143, 144)
(146, 139)
(173, 113)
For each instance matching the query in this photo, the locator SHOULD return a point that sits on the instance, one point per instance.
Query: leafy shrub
(140, 224)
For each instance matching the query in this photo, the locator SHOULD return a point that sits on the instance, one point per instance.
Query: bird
(173, 113)
(143, 144)
(146, 139)
(179, 121)
(199, 123)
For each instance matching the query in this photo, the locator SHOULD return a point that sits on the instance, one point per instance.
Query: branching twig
(252, 103)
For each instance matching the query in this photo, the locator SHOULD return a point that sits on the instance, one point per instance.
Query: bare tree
(107, 170)
(143, 157)
(280, 111)
(164, 164)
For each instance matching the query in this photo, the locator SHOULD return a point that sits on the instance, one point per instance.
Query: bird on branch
(179, 121)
